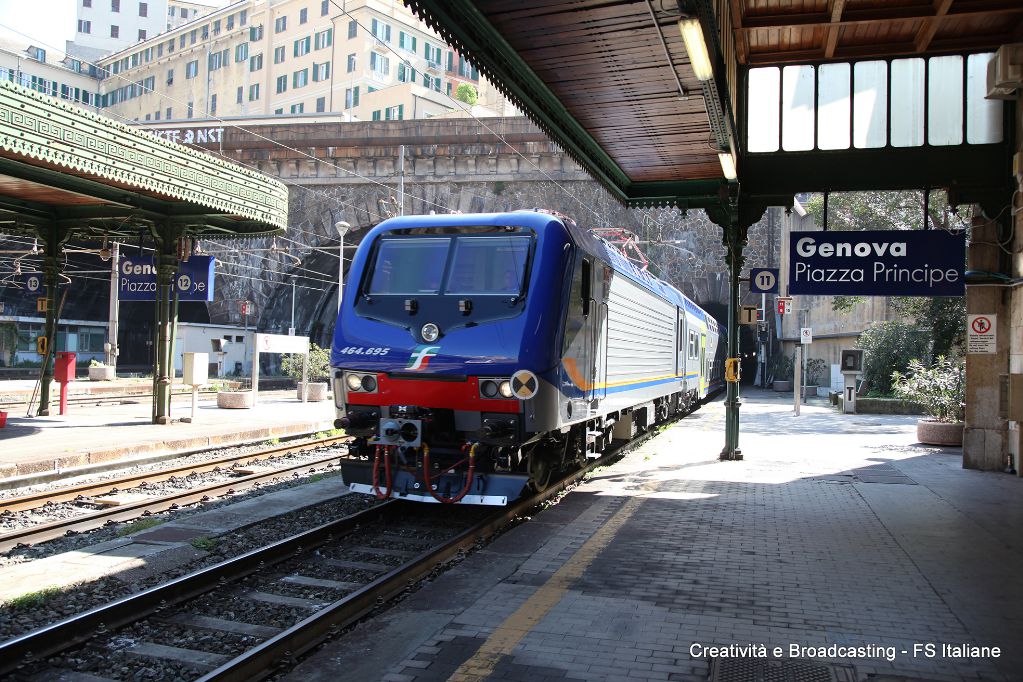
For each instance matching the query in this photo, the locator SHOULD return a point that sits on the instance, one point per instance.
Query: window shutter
(401, 111)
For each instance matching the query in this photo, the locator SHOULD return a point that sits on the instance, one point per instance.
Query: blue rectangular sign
(877, 263)
(763, 280)
(193, 281)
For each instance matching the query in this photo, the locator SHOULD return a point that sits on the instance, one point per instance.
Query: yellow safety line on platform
(503, 641)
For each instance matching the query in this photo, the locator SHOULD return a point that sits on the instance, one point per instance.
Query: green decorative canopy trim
(81, 143)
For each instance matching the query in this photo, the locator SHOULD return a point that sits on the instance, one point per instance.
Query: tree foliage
(890, 347)
(466, 92)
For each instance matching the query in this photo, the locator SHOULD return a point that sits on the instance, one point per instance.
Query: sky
(44, 21)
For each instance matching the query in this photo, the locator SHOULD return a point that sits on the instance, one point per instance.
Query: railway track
(94, 492)
(202, 625)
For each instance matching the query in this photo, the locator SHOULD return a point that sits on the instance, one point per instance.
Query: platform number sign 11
(763, 280)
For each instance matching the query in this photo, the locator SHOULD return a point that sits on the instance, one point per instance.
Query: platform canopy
(62, 166)
(615, 85)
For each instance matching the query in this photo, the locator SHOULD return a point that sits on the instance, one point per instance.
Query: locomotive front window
(409, 266)
(488, 266)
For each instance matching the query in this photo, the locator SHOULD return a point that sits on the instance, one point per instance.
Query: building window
(84, 26)
(278, 111)
(230, 22)
(181, 44)
(241, 94)
(321, 105)
(170, 76)
(376, 115)
(243, 18)
(115, 5)
(353, 28)
(256, 62)
(394, 113)
(142, 34)
(300, 79)
(324, 8)
(278, 54)
(213, 105)
(148, 117)
(282, 84)
(297, 108)
(216, 27)
(433, 55)
(321, 72)
(171, 10)
(406, 74)
(190, 108)
(255, 33)
(115, 32)
(241, 52)
(206, 32)
(324, 39)
(168, 116)
(302, 46)
(351, 63)
(280, 24)
(143, 9)
(86, 3)
(193, 36)
(216, 60)
(351, 97)
(406, 41)
(170, 46)
(254, 92)
(157, 115)
(303, 15)
(381, 31)
(192, 69)
(380, 65)
(451, 61)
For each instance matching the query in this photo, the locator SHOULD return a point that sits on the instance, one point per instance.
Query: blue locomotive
(477, 354)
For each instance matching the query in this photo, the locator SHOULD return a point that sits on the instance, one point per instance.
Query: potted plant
(941, 390)
(317, 372)
(100, 372)
(781, 369)
(814, 373)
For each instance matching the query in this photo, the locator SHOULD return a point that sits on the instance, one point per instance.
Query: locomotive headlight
(488, 388)
(369, 383)
(505, 389)
(430, 332)
(354, 382)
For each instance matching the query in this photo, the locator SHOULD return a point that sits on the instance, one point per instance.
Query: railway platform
(92, 435)
(838, 549)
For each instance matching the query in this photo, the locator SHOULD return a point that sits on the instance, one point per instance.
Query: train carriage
(477, 354)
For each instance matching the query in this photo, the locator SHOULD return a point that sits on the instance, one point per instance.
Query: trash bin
(3, 419)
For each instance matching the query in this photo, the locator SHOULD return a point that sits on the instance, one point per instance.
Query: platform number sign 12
(763, 280)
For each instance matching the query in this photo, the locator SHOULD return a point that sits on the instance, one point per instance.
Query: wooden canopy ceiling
(782, 31)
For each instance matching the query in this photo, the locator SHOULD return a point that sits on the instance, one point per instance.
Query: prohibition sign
(524, 384)
(981, 325)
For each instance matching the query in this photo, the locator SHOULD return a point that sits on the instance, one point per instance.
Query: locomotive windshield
(474, 266)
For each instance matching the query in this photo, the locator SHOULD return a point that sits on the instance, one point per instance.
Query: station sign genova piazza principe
(193, 280)
(877, 263)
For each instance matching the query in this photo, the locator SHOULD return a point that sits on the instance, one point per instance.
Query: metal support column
(166, 266)
(54, 239)
(734, 240)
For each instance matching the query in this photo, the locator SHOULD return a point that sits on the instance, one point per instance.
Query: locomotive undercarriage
(490, 467)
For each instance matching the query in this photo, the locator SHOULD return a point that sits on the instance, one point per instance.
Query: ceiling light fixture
(696, 48)
(727, 164)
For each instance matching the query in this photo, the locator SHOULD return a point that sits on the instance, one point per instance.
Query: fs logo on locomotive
(420, 357)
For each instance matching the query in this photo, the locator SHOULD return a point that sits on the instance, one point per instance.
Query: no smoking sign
(981, 333)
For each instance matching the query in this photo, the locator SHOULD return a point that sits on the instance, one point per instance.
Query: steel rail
(52, 639)
(56, 529)
(35, 500)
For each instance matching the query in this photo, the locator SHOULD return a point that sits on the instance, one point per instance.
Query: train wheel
(541, 470)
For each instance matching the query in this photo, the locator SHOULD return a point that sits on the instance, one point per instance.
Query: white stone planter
(315, 392)
(234, 400)
(939, 433)
(102, 373)
(809, 391)
(781, 385)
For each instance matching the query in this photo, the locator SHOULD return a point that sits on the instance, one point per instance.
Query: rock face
(352, 174)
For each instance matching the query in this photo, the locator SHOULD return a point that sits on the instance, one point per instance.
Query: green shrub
(319, 364)
(782, 367)
(890, 347)
(815, 369)
(940, 388)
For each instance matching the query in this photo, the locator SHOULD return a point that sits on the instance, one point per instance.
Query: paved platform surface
(835, 531)
(96, 434)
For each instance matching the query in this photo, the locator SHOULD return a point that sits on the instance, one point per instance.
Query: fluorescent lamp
(727, 165)
(696, 47)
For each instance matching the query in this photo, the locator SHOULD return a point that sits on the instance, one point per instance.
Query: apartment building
(369, 59)
(50, 73)
(106, 26)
